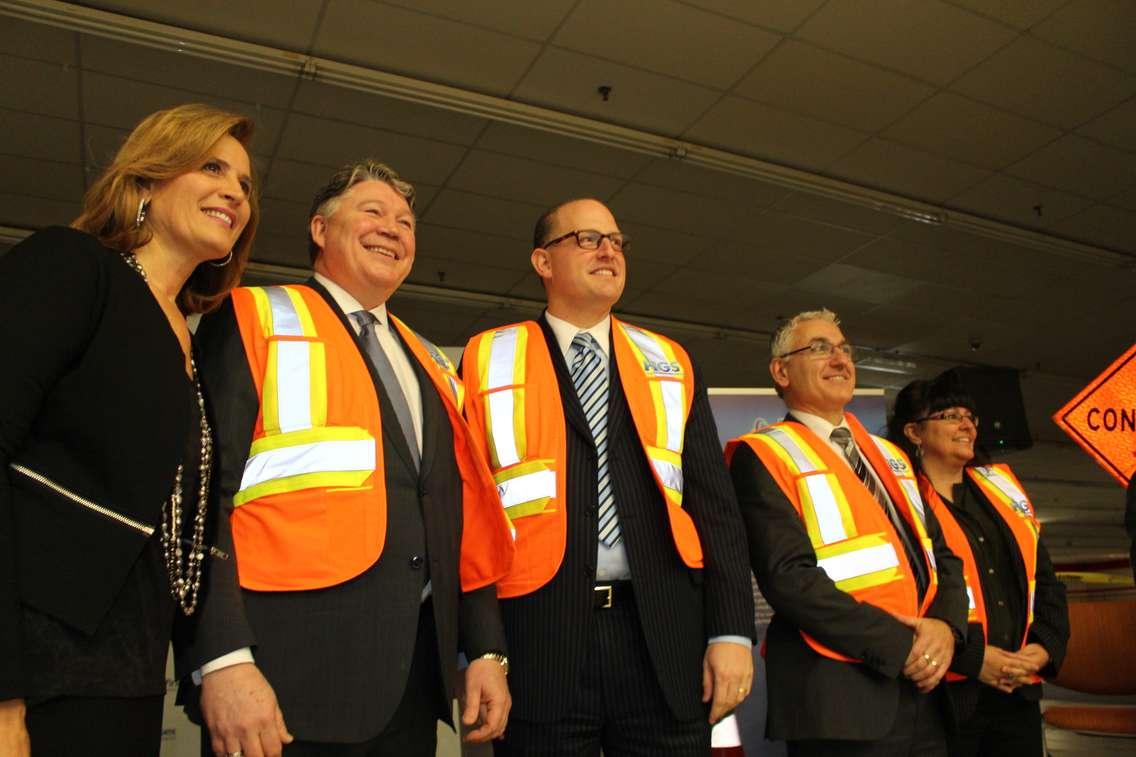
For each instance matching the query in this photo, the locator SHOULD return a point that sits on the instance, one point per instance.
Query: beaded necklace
(185, 574)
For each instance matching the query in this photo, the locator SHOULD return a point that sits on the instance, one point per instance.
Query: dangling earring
(143, 208)
(918, 451)
(228, 259)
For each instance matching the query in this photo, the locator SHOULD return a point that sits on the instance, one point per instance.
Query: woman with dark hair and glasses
(1018, 622)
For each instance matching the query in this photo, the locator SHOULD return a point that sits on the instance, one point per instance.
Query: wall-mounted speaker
(997, 394)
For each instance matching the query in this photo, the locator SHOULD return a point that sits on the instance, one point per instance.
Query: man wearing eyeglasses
(628, 609)
(869, 602)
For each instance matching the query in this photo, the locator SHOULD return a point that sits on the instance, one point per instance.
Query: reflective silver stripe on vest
(669, 473)
(1017, 497)
(787, 443)
(527, 487)
(316, 457)
(860, 562)
(502, 358)
(674, 396)
(285, 319)
(502, 437)
(970, 597)
(293, 385)
(821, 497)
(906, 481)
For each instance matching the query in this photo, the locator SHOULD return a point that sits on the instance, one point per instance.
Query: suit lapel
(392, 431)
(573, 413)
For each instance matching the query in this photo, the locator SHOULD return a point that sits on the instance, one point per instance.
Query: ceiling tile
(454, 54)
(893, 167)
(289, 249)
(724, 288)
(527, 180)
(188, 73)
(280, 23)
(1039, 81)
(41, 178)
(51, 89)
(568, 81)
(34, 136)
(927, 39)
(781, 15)
(964, 129)
(25, 39)
(888, 327)
(653, 244)
(284, 218)
(334, 143)
(327, 101)
(559, 150)
(857, 283)
(1116, 128)
(1104, 225)
(462, 210)
(905, 258)
(945, 299)
(122, 103)
(734, 190)
(750, 128)
(778, 234)
(1021, 203)
(837, 213)
(1101, 29)
(1020, 13)
(294, 181)
(671, 39)
(464, 246)
(1079, 165)
(532, 20)
(455, 274)
(1125, 199)
(673, 209)
(23, 211)
(801, 78)
(753, 260)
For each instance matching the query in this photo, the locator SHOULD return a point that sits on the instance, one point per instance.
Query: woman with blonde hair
(105, 445)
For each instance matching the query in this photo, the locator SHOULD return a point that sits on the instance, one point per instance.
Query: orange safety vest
(1010, 502)
(518, 419)
(855, 542)
(311, 510)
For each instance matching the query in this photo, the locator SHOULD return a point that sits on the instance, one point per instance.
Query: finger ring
(238, 753)
(934, 663)
(926, 657)
(742, 691)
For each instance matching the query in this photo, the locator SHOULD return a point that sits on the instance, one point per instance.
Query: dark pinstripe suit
(679, 608)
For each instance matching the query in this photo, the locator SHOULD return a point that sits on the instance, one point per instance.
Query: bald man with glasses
(628, 611)
(869, 603)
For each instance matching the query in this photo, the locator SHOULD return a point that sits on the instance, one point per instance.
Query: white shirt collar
(816, 424)
(565, 332)
(347, 303)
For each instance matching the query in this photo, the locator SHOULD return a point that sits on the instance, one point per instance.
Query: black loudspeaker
(997, 394)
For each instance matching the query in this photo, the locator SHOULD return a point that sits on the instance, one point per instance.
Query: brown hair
(165, 145)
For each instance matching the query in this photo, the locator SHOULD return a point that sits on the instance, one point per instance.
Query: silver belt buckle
(607, 600)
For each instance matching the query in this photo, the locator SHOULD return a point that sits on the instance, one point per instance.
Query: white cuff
(236, 657)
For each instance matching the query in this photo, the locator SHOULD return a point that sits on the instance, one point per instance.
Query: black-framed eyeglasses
(823, 348)
(955, 418)
(590, 239)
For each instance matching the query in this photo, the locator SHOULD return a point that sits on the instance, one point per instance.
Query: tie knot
(841, 436)
(583, 342)
(364, 319)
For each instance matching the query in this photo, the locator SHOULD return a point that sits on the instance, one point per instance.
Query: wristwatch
(499, 658)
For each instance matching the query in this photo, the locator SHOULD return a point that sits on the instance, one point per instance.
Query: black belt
(612, 594)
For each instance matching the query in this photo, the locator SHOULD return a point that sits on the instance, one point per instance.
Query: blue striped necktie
(590, 379)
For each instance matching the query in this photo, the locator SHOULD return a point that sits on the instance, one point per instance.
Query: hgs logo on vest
(662, 368)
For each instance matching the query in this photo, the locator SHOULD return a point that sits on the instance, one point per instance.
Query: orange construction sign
(1102, 418)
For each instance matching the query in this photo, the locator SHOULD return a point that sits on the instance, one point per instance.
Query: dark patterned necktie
(366, 322)
(590, 379)
(843, 437)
